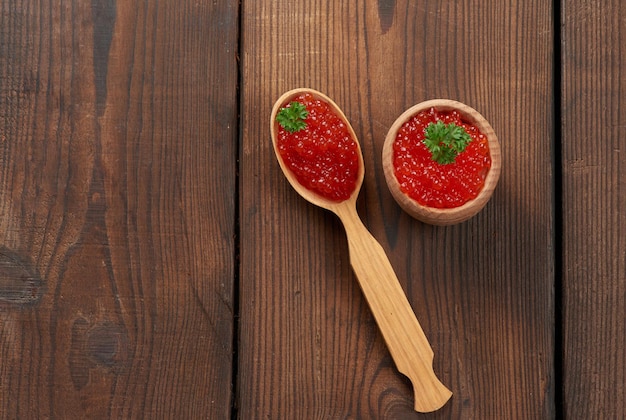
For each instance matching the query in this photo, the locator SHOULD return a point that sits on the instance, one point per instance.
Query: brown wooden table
(155, 263)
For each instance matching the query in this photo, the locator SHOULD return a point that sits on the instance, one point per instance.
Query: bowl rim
(433, 215)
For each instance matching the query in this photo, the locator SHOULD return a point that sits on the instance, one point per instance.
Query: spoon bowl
(307, 194)
(392, 311)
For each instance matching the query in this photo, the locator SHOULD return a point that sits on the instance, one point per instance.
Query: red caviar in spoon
(431, 183)
(322, 155)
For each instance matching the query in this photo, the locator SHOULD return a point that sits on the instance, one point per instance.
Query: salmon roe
(433, 184)
(324, 157)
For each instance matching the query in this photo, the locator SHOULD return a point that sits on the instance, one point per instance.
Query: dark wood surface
(594, 199)
(118, 139)
(155, 263)
(483, 290)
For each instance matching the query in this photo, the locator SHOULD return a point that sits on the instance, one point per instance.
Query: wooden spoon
(402, 332)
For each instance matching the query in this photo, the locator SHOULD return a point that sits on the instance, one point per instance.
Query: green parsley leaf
(445, 141)
(292, 117)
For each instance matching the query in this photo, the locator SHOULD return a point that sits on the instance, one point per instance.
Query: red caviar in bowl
(431, 183)
(323, 156)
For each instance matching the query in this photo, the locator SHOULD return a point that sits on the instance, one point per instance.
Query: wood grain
(117, 208)
(482, 290)
(594, 194)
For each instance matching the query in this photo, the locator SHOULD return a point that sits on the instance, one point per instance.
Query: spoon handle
(403, 334)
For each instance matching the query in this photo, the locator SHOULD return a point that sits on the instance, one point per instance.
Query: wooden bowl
(448, 216)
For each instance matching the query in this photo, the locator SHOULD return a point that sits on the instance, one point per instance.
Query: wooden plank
(594, 194)
(482, 290)
(117, 208)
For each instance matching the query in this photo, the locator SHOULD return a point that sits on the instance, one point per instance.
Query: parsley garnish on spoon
(292, 117)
